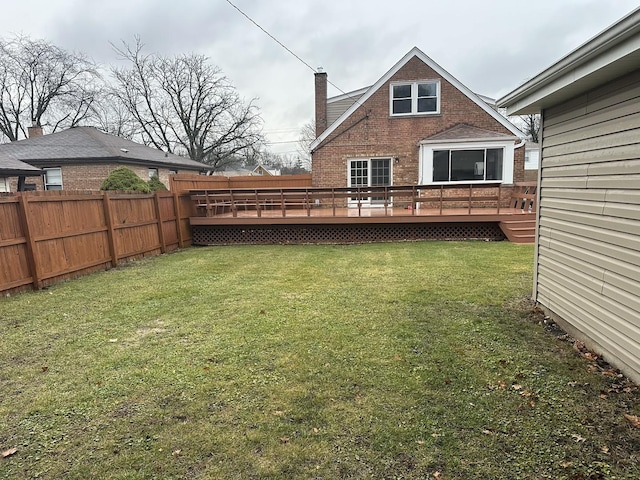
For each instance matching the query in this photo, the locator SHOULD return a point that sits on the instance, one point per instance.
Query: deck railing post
(282, 204)
(414, 201)
(386, 200)
(258, 203)
(333, 200)
(234, 207)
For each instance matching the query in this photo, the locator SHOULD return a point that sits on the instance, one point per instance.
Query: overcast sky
(491, 46)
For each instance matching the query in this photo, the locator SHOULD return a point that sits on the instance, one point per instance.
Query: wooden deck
(469, 204)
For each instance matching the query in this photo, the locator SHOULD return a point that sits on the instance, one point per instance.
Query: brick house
(80, 158)
(416, 125)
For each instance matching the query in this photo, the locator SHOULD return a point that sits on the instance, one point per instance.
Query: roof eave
(116, 159)
(15, 173)
(469, 140)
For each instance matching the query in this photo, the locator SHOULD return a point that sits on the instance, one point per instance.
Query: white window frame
(47, 183)
(414, 98)
(368, 200)
(426, 161)
(4, 185)
(153, 172)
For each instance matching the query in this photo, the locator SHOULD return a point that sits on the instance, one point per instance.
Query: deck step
(519, 231)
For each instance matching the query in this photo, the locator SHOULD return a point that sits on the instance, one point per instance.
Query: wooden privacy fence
(47, 237)
(184, 182)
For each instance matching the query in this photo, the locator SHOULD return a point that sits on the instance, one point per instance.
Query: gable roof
(467, 133)
(90, 145)
(416, 52)
(11, 167)
(609, 55)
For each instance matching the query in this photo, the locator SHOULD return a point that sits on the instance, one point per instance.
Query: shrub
(156, 185)
(123, 178)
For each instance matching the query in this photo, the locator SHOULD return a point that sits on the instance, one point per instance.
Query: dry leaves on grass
(8, 453)
(633, 420)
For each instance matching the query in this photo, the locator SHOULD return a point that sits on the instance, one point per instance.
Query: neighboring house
(416, 125)
(587, 260)
(531, 160)
(237, 170)
(262, 170)
(80, 158)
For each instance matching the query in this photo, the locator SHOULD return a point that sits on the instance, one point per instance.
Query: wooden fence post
(163, 244)
(176, 209)
(106, 201)
(30, 243)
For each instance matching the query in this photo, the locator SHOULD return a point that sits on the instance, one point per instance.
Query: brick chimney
(34, 131)
(321, 102)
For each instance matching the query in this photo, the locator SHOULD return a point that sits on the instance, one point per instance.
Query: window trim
(368, 201)
(414, 98)
(156, 172)
(426, 161)
(46, 176)
(5, 186)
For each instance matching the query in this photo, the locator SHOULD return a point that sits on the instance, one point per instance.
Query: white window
(173, 172)
(471, 162)
(415, 98)
(153, 172)
(531, 159)
(369, 172)
(467, 165)
(4, 184)
(53, 178)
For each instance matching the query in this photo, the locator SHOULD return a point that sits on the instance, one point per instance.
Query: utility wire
(287, 49)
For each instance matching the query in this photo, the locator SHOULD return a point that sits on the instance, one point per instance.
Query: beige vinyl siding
(336, 108)
(588, 256)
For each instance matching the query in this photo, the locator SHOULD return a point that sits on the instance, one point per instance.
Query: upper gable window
(415, 98)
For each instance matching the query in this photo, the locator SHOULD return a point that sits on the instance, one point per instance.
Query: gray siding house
(587, 265)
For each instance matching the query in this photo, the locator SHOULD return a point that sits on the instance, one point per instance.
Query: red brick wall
(90, 176)
(371, 132)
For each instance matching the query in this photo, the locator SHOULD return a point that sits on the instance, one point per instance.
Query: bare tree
(114, 118)
(529, 124)
(43, 85)
(183, 104)
(305, 139)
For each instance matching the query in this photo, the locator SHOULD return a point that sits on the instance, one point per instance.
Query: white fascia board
(611, 44)
(416, 52)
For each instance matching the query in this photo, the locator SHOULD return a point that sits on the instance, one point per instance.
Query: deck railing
(216, 202)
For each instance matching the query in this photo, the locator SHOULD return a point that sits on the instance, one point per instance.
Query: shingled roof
(10, 167)
(467, 133)
(90, 145)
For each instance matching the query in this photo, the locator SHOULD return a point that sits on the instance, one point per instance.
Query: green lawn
(404, 361)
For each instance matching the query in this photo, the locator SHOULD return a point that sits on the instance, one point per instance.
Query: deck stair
(521, 229)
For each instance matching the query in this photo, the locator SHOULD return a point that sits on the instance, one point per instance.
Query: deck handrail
(215, 202)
